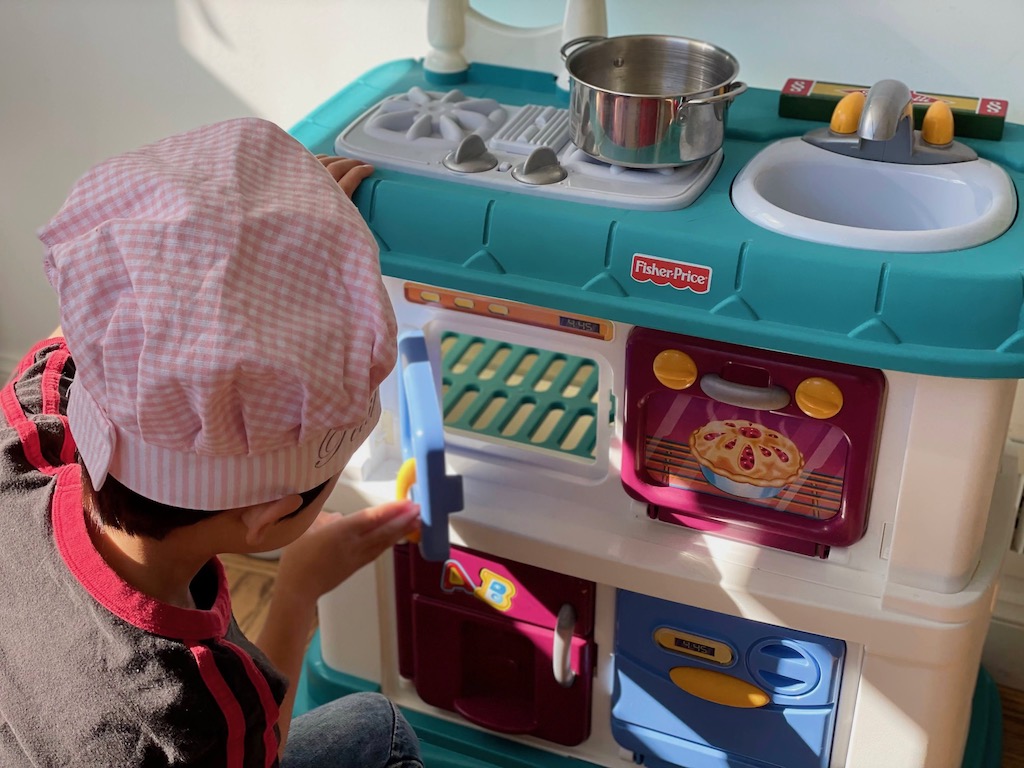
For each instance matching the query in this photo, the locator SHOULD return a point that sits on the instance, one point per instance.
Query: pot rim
(593, 42)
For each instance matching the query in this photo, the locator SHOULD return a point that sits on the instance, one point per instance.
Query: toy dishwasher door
(701, 689)
(438, 493)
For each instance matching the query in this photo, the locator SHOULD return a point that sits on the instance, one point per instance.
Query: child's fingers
(353, 177)
(389, 516)
(374, 530)
(339, 166)
(347, 171)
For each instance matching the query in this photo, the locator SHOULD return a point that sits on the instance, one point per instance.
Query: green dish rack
(520, 394)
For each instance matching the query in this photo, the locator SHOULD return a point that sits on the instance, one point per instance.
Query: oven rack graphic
(520, 394)
(671, 463)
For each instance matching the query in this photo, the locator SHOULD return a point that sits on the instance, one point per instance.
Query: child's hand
(346, 171)
(336, 546)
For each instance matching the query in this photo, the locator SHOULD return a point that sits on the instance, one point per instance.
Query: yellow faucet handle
(846, 115)
(937, 126)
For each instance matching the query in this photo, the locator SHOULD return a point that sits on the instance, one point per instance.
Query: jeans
(362, 730)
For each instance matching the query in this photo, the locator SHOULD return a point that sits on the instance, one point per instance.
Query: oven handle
(438, 493)
(771, 398)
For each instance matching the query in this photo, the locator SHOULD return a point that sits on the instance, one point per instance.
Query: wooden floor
(251, 581)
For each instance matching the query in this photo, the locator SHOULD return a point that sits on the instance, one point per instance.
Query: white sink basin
(803, 191)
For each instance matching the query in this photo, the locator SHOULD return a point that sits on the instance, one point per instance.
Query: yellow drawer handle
(719, 687)
(403, 484)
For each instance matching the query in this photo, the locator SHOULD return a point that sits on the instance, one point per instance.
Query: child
(226, 330)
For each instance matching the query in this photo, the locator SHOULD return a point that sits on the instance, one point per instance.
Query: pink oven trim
(860, 420)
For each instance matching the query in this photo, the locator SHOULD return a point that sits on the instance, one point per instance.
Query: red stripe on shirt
(270, 709)
(114, 593)
(26, 429)
(51, 399)
(30, 357)
(233, 718)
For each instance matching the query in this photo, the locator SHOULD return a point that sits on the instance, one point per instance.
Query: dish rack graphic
(519, 394)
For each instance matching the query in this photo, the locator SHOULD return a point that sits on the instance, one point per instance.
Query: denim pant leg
(362, 730)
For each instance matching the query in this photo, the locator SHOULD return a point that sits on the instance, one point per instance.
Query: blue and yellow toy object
(423, 475)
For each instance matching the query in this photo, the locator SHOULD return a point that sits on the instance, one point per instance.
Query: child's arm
(333, 548)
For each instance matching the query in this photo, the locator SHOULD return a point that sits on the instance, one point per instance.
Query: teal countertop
(954, 314)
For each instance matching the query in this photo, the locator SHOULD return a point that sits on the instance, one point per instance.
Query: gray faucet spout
(886, 132)
(888, 103)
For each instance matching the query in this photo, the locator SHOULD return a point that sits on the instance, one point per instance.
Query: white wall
(284, 57)
(81, 80)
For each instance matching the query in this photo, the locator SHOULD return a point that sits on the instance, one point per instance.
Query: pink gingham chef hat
(223, 303)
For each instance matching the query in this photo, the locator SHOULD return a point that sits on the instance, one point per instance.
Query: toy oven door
(759, 446)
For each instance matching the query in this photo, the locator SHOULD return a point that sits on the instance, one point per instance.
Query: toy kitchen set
(707, 425)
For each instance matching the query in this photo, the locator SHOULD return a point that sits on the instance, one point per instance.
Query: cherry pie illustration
(746, 459)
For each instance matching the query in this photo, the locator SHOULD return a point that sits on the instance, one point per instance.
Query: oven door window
(767, 459)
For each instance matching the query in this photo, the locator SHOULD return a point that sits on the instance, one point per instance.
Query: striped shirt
(93, 672)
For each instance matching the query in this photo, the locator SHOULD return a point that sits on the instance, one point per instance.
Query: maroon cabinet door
(507, 646)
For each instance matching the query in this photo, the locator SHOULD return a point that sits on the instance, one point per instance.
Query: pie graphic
(744, 458)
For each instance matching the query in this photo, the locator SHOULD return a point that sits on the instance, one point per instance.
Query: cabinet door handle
(561, 652)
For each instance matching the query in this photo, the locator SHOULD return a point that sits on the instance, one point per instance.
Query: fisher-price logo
(678, 274)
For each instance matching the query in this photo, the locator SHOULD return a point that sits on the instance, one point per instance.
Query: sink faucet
(885, 132)
(888, 108)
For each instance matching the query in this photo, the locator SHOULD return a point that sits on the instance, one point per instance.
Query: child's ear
(260, 518)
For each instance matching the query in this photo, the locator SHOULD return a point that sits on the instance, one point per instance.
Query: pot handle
(564, 51)
(735, 89)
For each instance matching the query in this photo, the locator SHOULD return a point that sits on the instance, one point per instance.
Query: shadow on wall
(77, 89)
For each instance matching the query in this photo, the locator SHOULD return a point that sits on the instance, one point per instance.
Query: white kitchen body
(696, 493)
(910, 604)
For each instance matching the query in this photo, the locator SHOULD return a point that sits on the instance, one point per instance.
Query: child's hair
(115, 506)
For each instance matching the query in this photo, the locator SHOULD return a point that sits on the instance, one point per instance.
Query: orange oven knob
(819, 398)
(675, 369)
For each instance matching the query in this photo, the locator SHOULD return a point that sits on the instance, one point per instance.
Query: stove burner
(436, 119)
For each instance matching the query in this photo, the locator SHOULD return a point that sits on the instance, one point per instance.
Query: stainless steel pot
(647, 101)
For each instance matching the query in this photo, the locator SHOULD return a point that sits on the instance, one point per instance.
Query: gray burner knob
(471, 156)
(541, 167)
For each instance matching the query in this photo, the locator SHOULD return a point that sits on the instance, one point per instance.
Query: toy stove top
(511, 148)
